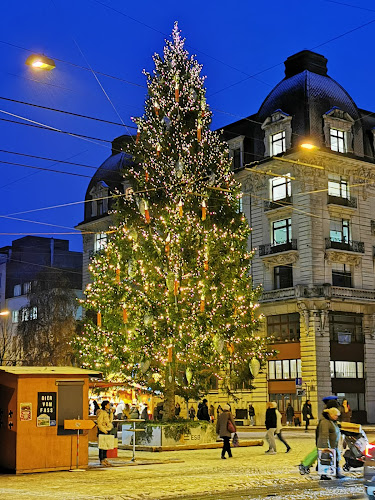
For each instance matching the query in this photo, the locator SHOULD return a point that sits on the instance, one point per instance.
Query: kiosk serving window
(69, 403)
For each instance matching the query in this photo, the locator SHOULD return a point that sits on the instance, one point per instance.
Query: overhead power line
(45, 169)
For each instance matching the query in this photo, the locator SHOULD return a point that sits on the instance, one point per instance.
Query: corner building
(306, 165)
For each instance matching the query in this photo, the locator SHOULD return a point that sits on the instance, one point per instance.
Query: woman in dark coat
(307, 414)
(222, 429)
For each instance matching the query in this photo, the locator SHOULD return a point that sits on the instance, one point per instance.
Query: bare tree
(10, 345)
(48, 322)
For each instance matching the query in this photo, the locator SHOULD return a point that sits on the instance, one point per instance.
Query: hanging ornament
(180, 208)
(146, 176)
(145, 365)
(167, 244)
(158, 149)
(148, 319)
(147, 213)
(138, 135)
(179, 168)
(199, 130)
(156, 108)
(203, 106)
(230, 347)
(177, 88)
(176, 285)
(167, 122)
(131, 268)
(202, 304)
(133, 235)
(170, 281)
(117, 274)
(205, 264)
(170, 379)
(124, 315)
(204, 210)
(189, 374)
(170, 353)
(254, 366)
(99, 319)
(219, 344)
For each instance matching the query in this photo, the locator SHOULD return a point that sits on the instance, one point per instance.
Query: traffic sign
(298, 382)
(301, 393)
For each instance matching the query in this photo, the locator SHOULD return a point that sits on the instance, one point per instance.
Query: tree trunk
(169, 392)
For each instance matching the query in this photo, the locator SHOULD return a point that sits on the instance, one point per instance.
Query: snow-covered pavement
(191, 474)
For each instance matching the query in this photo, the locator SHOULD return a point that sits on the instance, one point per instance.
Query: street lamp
(38, 61)
(4, 313)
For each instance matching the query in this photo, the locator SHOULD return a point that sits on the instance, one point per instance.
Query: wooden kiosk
(34, 403)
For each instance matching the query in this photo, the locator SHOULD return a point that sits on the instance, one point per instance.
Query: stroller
(356, 443)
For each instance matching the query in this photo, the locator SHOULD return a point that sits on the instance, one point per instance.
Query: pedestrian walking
(307, 414)
(177, 410)
(105, 426)
(328, 436)
(223, 431)
(211, 413)
(252, 414)
(346, 412)
(271, 425)
(279, 429)
(289, 414)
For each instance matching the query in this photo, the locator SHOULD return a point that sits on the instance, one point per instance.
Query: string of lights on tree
(171, 295)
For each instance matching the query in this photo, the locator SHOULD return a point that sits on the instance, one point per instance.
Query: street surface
(193, 474)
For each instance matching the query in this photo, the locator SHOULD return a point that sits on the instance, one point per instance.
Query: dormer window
(236, 151)
(338, 131)
(277, 133)
(99, 196)
(337, 140)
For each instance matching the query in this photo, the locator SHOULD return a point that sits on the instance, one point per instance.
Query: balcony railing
(272, 205)
(344, 202)
(326, 291)
(350, 246)
(270, 248)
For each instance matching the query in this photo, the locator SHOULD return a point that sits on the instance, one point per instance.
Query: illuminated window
(283, 327)
(340, 230)
(337, 140)
(17, 290)
(338, 186)
(280, 188)
(346, 369)
(15, 315)
(277, 143)
(281, 231)
(285, 369)
(100, 241)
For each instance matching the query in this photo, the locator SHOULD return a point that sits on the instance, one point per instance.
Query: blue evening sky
(233, 41)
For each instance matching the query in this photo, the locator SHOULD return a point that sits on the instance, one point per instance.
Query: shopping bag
(310, 458)
(327, 461)
(231, 428)
(106, 441)
(235, 440)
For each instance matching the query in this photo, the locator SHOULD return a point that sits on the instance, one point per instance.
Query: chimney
(303, 60)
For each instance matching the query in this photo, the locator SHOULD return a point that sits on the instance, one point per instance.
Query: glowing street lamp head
(308, 145)
(38, 61)
(4, 313)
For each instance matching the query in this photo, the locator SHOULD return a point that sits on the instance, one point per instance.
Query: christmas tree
(172, 291)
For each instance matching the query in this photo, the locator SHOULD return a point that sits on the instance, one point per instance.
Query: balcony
(272, 248)
(324, 291)
(350, 202)
(272, 205)
(350, 246)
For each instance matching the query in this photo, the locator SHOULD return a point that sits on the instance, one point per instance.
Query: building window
(15, 315)
(284, 327)
(337, 140)
(27, 287)
(355, 399)
(236, 158)
(17, 291)
(342, 275)
(338, 186)
(100, 241)
(340, 230)
(281, 231)
(346, 369)
(277, 143)
(284, 369)
(281, 188)
(236, 151)
(29, 313)
(341, 323)
(100, 206)
(283, 276)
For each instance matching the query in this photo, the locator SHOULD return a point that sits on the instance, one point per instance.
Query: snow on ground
(187, 475)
